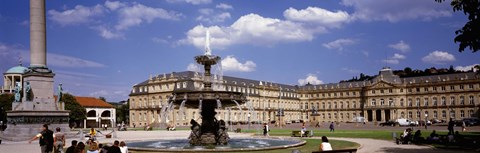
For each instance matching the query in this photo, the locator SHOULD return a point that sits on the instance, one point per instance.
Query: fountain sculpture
(210, 131)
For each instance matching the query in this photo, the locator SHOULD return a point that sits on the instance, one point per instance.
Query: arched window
(92, 113)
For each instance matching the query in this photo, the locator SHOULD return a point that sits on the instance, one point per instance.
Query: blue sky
(102, 48)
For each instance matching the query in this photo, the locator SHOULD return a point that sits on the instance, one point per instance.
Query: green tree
(122, 112)
(408, 70)
(469, 35)
(103, 99)
(77, 111)
(5, 105)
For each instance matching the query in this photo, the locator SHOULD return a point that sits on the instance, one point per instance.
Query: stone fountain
(210, 131)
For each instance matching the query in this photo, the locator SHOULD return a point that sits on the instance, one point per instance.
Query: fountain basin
(234, 144)
(193, 98)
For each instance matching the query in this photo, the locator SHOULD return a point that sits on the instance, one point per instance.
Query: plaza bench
(299, 134)
(337, 150)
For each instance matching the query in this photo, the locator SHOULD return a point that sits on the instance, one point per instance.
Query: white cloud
(8, 52)
(194, 2)
(466, 68)
(398, 56)
(77, 15)
(395, 59)
(251, 29)
(193, 67)
(311, 78)
(317, 15)
(438, 57)
(224, 6)
(114, 5)
(138, 13)
(109, 33)
(230, 63)
(338, 44)
(401, 46)
(209, 16)
(394, 11)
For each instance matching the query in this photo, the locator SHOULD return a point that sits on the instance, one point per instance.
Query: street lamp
(426, 118)
(249, 123)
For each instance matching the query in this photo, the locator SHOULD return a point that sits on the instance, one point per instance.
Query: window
(470, 113)
(390, 102)
(382, 102)
(452, 87)
(462, 100)
(452, 114)
(401, 90)
(452, 100)
(334, 115)
(425, 89)
(381, 91)
(418, 114)
(470, 86)
(354, 104)
(390, 90)
(323, 114)
(462, 113)
(373, 91)
(434, 88)
(410, 115)
(402, 115)
(471, 100)
(323, 104)
(435, 115)
(374, 102)
(444, 114)
(329, 105)
(329, 116)
(341, 115)
(133, 117)
(417, 102)
(418, 89)
(461, 86)
(425, 101)
(434, 101)
(335, 106)
(341, 104)
(443, 88)
(410, 102)
(444, 101)
(401, 102)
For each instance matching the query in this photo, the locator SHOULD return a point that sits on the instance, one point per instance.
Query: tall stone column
(38, 44)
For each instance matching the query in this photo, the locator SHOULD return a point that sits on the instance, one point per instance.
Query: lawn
(373, 134)
(313, 145)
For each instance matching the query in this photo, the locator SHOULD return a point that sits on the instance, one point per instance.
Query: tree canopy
(77, 111)
(5, 105)
(469, 35)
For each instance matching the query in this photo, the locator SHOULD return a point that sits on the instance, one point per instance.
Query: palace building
(385, 97)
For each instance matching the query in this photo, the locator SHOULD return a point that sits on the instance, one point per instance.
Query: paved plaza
(367, 145)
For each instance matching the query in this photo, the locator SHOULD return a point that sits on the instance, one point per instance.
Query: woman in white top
(123, 147)
(325, 146)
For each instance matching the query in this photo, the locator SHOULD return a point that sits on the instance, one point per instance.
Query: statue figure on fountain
(18, 92)
(28, 91)
(195, 134)
(60, 92)
(222, 133)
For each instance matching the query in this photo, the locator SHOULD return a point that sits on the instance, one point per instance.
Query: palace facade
(385, 97)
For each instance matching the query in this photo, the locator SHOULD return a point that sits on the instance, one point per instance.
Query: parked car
(458, 122)
(422, 123)
(406, 122)
(388, 123)
(471, 121)
(434, 121)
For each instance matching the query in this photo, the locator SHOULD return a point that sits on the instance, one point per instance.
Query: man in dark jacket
(114, 148)
(450, 126)
(72, 148)
(46, 139)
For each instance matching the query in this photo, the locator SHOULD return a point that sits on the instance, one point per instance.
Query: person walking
(332, 127)
(46, 139)
(265, 129)
(58, 141)
(451, 123)
(464, 126)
